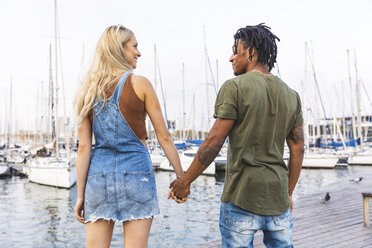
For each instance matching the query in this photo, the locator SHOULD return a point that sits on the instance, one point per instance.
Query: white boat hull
(360, 160)
(4, 170)
(318, 161)
(315, 161)
(53, 173)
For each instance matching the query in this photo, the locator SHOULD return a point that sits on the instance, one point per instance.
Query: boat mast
(156, 88)
(37, 120)
(42, 113)
(194, 117)
(358, 101)
(5, 123)
(217, 73)
(10, 120)
(306, 121)
(351, 96)
(65, 122)
(56, 75)
(155, 72)
(183, 101)
(206, 77)
(320, 98)
(343, 109)
(51, 119)
(370, 102)
(161, 88)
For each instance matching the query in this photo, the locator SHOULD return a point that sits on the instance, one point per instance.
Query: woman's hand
(171, 195)
(179, 191)
(79, 210)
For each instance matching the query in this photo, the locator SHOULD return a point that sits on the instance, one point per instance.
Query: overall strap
(119, 87)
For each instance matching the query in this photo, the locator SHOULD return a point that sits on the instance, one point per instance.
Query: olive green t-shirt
(265, 110)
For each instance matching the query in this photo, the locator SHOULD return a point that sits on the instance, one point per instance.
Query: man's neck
(264, 69)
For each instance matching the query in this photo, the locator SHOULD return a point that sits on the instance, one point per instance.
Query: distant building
(341, 126)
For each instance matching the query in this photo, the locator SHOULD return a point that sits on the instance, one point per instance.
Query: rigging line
(162, 92)
(343, 116)
(320, 96)
(61, 70)
(210, 70)
(313, 115)
(338, 97)
(365, 91)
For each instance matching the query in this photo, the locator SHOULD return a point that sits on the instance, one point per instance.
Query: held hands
(79, 210)
(179, 191)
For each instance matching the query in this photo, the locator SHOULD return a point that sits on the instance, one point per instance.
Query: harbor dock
(337, 224)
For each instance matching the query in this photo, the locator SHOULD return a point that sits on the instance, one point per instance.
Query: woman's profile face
(131, 52)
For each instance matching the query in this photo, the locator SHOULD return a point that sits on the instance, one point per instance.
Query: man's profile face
(239, 59)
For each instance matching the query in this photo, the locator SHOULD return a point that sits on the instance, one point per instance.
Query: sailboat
(51, 171)
(59, 168)
(4, 168)
(363, 155)
(315, 158)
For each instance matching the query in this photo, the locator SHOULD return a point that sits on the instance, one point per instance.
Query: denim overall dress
(121, 182)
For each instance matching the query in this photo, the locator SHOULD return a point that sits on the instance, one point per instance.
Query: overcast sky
(330, 27)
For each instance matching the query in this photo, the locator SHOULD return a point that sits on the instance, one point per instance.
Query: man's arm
(295, 142)
(207, 152)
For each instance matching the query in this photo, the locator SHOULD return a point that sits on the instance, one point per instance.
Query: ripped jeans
(238, 226)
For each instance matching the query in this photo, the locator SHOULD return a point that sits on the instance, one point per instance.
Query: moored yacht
(51, 171)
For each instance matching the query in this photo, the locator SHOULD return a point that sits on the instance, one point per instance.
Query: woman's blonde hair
(108, 64)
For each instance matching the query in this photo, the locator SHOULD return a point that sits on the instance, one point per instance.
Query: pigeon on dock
(326, 198)
(356, 180)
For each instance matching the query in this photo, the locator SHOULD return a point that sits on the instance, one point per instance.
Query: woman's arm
(82, 165)
(153, 109)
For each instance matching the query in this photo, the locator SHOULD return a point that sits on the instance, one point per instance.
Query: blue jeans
(238, 226)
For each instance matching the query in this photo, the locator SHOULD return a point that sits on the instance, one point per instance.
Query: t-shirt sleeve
(226, 106)
(299, 120)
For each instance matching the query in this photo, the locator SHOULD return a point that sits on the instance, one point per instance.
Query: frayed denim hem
(94, 218)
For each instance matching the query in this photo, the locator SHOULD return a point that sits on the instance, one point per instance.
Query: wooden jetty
(337, 224)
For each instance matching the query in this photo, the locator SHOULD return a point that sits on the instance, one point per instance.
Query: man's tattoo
(297, 134)
(207, 154)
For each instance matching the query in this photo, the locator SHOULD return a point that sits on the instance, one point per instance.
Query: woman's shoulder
(141, 82)
(140, 79)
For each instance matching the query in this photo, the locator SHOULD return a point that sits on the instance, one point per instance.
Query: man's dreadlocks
(260, 38)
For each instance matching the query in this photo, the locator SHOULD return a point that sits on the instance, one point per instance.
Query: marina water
(34, 215)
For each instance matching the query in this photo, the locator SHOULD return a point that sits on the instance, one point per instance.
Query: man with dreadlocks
(258, 112)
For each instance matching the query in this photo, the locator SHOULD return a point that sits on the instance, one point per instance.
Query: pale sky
(330, 27)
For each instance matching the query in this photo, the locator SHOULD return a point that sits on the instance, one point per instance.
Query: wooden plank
(336, 225)
(361, 241)
(334, 237)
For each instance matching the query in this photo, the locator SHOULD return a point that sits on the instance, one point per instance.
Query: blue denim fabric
(121, 182)
(238, 226)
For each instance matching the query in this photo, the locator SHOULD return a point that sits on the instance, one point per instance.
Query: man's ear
(253, 52)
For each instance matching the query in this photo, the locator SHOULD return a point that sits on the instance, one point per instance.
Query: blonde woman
(115, 178)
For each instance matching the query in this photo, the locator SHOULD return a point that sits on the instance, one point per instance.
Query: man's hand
(180, 191)
(291, 203)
